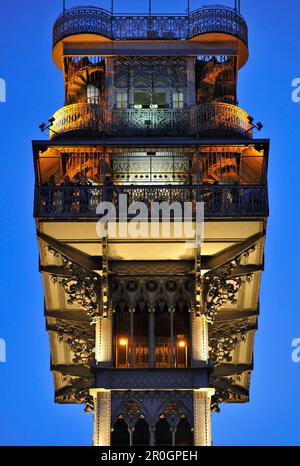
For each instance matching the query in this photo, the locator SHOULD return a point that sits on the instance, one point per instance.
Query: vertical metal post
(198, 175)
(64, 5)
(171, 310)
(131, 311)
(112, 18)
(188, 18)
(151, 338)
(104, 174)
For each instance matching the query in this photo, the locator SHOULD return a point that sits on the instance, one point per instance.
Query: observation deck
(208, 23)
(216, 118)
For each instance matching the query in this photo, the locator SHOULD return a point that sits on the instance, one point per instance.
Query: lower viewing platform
(82, 201)
(94, 118)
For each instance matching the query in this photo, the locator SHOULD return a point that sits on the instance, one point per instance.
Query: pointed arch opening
(141, 433)
(120, 433)
(163, 433)
(184, 435)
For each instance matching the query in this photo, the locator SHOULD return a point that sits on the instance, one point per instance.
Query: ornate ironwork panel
(218, 200)
(80, 20)
(154, 122)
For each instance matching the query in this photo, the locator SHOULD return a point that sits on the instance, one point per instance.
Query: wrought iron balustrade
(219, 201)
(143, 122)
(78, 117)
(154, 122)
(92, 20)
(219, 116)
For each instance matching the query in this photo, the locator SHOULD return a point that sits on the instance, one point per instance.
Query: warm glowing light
(123, 341)
(182, 344)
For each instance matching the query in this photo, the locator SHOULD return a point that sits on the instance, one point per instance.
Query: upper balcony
(86, 119)
(205, 20)
(216, 24)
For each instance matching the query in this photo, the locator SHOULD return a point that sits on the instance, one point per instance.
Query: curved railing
(92, 20)
(151, 122)
(78, 117)
(218, 19)
(81, 20)
(220, 117)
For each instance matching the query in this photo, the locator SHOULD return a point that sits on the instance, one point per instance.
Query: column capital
(208, 391)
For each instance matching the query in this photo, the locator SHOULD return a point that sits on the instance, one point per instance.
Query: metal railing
(78, 117)
(154, 122)
(92, 20)
(219, 201)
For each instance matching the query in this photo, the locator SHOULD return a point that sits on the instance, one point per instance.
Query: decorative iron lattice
(91, 20)
(79, 337)
(224, 337)
(155, 122)
(138, 293)
(144, 122)
(218, 201)
(83, 287)
(78, 117)
(220, 287)
(219, 116)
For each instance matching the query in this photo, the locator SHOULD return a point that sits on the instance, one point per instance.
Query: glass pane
(142, 98)
(141, 343)
(122, 340)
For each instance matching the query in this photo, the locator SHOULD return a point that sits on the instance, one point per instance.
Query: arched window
(131, 339)
(171, 338)
(163, 433)
(138, 335)
(141, 433)
(120, 434)
(184, 434)
(151, 323)
(93, 94)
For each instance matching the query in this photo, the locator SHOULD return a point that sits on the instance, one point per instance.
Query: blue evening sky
(28, 415)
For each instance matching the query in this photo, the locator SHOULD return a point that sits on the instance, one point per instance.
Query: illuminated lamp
(123, 341)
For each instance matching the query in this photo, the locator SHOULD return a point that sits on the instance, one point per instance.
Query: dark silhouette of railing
(219, 200)
(92, 20)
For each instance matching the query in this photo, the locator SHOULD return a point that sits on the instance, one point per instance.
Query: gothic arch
(141, 433)
(173, 408)
(163, 434)
(131, 409)
(120, 434)
(184, 434)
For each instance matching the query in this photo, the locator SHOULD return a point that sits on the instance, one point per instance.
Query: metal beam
(224, 315)
(246, 270)
(76, 370)
(229, 254)
(74, 255)
(150, 48)
(59, 271)
(230, 369)
(79, 315)
(80, 384)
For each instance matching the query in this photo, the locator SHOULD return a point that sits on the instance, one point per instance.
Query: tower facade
(150, 328)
